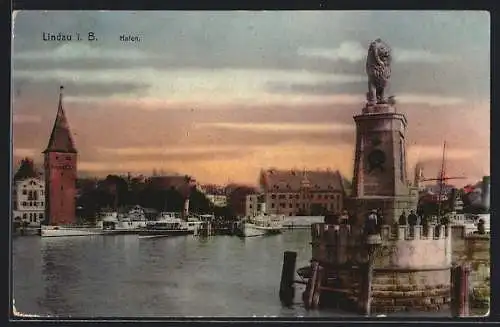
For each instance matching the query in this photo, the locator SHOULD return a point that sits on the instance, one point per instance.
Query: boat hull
(60, 231)
(167, 232)
(251, 230)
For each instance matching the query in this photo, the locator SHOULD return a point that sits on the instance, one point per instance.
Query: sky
(221, 95)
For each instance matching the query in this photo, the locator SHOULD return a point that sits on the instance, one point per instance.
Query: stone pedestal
(380, 172)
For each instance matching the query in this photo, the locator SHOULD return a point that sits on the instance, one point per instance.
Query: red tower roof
(60, 138)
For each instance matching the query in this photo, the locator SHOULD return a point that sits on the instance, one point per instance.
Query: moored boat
(112, 223)
(60, 231)
(168, 224)
(261, 225)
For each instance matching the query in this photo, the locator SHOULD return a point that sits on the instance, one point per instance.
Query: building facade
(215, 194)
(60, 164)
(251, 205)
(293, 193)
(28, 196)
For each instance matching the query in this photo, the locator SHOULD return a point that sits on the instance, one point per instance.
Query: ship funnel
(262, 207)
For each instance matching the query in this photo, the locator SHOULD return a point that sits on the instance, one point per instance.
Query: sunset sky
(220, 95)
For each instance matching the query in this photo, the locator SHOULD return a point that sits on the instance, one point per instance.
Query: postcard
(250, 164)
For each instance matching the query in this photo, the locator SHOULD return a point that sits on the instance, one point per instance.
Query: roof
(294, 180)
(26, 170)
(60, 138)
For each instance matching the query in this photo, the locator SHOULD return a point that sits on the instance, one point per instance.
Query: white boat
(194, 223)
(169, 223)
(261, 225)
(112, 223)
(59, 231)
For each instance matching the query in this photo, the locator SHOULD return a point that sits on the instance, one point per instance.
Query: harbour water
(124, 276)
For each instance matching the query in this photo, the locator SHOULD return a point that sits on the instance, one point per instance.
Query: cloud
(26, 119)
(49, 87)
(76, 51)
(279, 127)
(354, 91)
(435, 153)
(424, 56)
(348, 51)
(167, 150)
(354, 52)
(25, 152)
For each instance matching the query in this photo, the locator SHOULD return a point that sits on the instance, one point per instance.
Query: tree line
(116, 192)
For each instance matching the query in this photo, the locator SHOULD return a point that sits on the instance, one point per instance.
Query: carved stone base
(378, 108)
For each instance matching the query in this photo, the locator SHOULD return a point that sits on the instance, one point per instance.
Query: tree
(199, 203)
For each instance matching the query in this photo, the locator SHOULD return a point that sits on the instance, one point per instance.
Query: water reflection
(122, 275)
(61, 275)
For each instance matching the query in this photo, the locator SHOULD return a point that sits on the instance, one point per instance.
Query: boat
(151, 236)
(262, 224)
(69, 230)
(113, 223)
(169, 223)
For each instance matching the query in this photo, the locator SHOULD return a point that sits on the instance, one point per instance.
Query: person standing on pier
(402, 219)
(412, 219)
(371, 223)
(424, 220)
(344, 218)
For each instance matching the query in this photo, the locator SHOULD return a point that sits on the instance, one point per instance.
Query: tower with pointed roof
(60, 164)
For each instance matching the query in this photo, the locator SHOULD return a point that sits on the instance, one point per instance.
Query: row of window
(329, 206)
(33, 217)
(32, 204)
(32, 195)
(311, 196)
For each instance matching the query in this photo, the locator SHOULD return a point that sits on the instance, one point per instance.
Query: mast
(441, 180)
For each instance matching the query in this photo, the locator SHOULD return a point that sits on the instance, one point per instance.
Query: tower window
(25, 192)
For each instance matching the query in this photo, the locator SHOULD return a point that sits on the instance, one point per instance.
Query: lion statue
(378, 69)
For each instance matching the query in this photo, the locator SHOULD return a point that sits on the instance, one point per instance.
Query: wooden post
(311, 286)
(287, 290)
(366, 274)
(460, 290)
(316, 291)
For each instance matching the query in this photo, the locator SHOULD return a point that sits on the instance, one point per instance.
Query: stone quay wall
(411, 267)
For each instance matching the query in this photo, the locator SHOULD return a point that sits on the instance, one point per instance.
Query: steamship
(261, 224)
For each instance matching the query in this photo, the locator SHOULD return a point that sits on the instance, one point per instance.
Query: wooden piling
(287, 289)
(311, 286)
(460, 290)
(365, 294)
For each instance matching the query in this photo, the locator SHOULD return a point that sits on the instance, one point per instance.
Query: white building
(218, 200)
(214, 193)
(29, 201)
